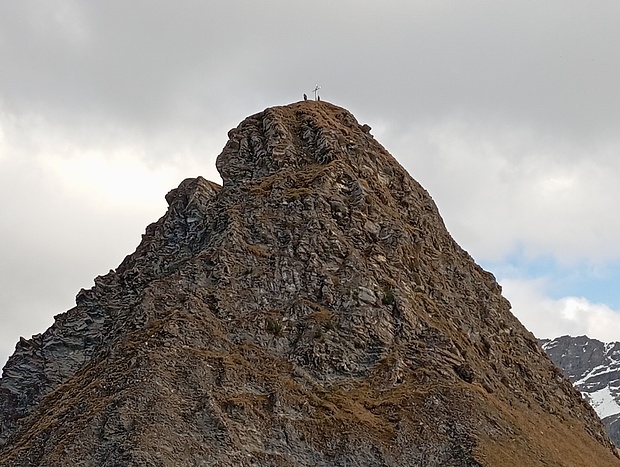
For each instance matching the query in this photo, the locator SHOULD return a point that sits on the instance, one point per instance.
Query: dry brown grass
(258, 250)
(530, 433)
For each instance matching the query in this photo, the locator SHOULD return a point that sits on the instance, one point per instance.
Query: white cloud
(503, 187)
(73, 208)
(550, 318)
(506, 112)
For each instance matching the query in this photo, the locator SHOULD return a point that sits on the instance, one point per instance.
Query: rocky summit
(311, 311)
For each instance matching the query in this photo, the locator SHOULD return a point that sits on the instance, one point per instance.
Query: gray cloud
(507, 112)
(500, 188)
(551, 65)
(548, 318)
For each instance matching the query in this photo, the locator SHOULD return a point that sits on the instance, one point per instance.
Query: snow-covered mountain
(594, 369)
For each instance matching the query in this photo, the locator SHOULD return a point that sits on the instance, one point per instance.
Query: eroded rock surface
(312, 311)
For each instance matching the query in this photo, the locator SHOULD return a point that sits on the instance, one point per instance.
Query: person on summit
(305, 97)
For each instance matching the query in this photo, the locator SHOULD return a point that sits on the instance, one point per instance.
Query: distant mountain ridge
(594, 369)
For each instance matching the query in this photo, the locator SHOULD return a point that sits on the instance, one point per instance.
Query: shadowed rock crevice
(313, 310)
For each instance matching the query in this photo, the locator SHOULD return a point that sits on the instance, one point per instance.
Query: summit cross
(316, 91)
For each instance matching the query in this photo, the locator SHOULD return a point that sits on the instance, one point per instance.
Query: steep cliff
(313, 310)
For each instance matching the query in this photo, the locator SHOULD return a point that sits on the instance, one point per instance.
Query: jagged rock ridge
(594, 369)
(313, 310)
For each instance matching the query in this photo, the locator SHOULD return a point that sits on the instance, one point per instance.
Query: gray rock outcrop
(594, 369)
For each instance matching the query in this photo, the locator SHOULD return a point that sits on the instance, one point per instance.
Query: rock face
(594, 369)
(312, 311)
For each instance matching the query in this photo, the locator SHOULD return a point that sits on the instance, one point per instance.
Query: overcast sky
(506, 112)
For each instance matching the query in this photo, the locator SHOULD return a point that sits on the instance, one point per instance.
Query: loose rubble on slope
(311, 311)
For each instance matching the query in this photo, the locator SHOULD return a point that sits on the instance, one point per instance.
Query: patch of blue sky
(594, 282)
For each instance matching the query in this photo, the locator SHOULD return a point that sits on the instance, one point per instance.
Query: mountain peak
(313, 310)
(594, 369)
(289, 138)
